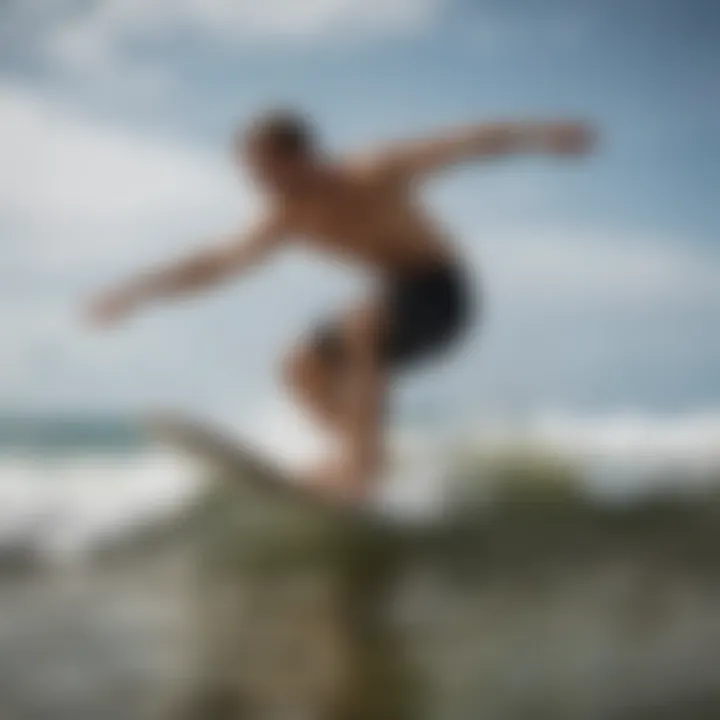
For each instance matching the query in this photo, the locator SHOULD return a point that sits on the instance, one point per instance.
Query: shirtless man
(364, 210)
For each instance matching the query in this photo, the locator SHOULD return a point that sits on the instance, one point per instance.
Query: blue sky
(602, 277)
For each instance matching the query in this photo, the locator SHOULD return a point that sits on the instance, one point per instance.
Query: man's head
(279, 150)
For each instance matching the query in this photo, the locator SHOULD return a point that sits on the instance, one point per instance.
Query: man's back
(362, 211)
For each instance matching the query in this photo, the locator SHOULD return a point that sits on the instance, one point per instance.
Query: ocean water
(67, 483)
(109, 641)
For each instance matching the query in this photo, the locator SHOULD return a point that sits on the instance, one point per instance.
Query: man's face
(275, 171)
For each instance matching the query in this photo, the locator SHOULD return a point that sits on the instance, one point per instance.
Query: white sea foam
(60, 506)
(625, 454)
(618, 454)
(634, 452)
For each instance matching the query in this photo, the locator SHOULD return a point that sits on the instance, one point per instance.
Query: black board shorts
(427, 311)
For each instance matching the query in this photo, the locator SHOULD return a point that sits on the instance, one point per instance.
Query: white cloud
(591, 266)
(99, 33)
(117, 49)
(75, 189)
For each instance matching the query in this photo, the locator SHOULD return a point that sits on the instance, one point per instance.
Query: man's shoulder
(375, 165)
(276, 218)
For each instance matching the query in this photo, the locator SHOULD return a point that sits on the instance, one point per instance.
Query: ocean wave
(59, 507)
(60, 499)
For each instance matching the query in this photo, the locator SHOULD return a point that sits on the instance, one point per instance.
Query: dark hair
(281, 131)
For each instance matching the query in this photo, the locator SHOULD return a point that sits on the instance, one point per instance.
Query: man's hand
(199, 271)
(570, 139)
(419, 158)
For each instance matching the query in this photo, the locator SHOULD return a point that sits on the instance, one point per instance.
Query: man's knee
(303, 368)
(362, 331)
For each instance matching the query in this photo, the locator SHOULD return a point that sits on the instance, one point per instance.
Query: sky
(600, 277)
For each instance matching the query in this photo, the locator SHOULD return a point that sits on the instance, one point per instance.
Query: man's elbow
(199, 273)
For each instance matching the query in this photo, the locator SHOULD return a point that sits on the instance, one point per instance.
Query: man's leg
(346, 394)
(315, 384)
(364, 402)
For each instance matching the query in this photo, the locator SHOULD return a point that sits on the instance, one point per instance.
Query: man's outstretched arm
(197, 272)
(422, 157)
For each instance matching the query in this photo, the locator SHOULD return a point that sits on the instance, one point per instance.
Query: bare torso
(364, 217)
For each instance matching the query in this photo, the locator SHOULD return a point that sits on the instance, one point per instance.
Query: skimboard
(218, 449)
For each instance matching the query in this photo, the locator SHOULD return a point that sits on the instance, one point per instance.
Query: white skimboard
(218, 449)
